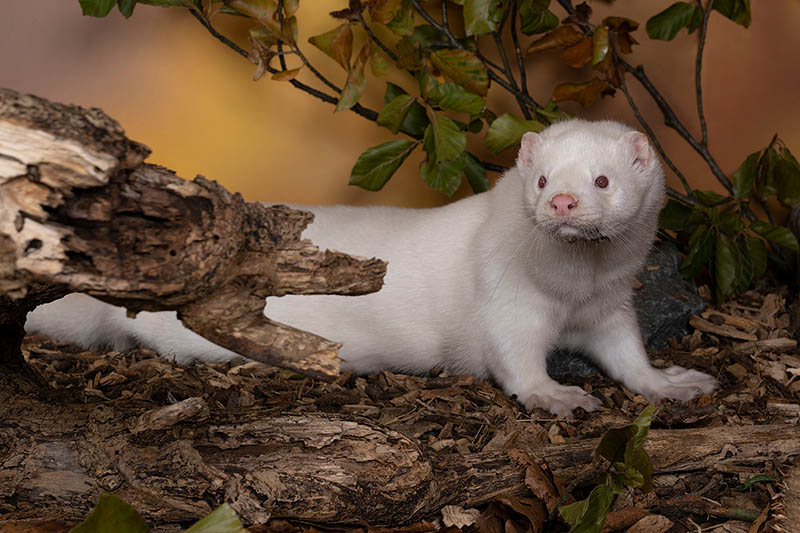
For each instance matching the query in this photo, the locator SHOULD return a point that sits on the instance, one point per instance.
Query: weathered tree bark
(176, 463)
(80, 211)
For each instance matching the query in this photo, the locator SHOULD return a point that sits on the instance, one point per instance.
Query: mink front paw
(675, 382)
(560, 399)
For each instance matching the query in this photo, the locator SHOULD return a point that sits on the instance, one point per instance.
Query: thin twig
(671, 120)
(281, 57)
(375, 39)
(358, 109)
(498, 42)
(518, 51)
(697, 71)
(530, 102)
(689, 199)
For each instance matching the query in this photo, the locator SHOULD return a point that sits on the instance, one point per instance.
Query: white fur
(485, 286)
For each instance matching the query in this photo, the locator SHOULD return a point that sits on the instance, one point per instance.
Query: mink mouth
(573, 233)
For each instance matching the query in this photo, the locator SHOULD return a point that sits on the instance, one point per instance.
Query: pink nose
(563, 203)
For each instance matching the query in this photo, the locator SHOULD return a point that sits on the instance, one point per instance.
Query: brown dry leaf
(623, 518)
(543, 485)
(564, 35)
(584, 93)
(651, 524)
(578, 54)
(531, 508)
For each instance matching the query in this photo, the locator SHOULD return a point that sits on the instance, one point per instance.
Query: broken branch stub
(81, 211)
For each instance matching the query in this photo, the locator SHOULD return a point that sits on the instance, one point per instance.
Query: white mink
(485, 286)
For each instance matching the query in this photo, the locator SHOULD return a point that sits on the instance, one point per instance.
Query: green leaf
(696, 21)
(444, 176)
(726, 265)
(223, 519)
(787, 180)
(448, 139)
(535, 18)
(181, 3)
(126, 7)
(731, 221)
(550, 113)
(587, 516)
(674, 216)
(744, 274)
(452, 97)
(758, 478)
(475, 173)
(666, 25)
(112, 515)
(96, 8)
(356, 80)
(506, 132)
(700, 252)
(777, 235)
(337, 44)
(745, 176)
(710, 198)
(758, 255)
(462, 67)
(482, 16)
(765, 182)
(736, 10)
(376, 165)
(394, 113)
(416, 119)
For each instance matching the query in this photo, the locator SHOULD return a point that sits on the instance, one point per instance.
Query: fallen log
(80, 211)
(175, 463)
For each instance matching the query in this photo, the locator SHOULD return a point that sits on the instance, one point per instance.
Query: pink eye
(601, 182)
(542, 182)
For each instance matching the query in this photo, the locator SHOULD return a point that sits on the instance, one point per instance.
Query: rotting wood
(175, 463)
(81, 211)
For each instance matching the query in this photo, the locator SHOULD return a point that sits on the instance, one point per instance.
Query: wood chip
(722, 330)
(781, 344)
(740, 322)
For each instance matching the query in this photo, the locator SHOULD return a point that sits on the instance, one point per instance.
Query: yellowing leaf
(356, 81)
(599, 44)
(264, 11)
(287, 75)
(337, 44)
(462, 67)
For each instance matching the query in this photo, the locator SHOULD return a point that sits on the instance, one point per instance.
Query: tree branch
(358, 109)
(486, 63)
(697, 73)
(518, 51)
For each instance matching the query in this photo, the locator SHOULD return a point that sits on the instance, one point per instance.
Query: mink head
(590, 181)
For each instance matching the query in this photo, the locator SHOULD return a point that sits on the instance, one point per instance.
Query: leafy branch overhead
(448, 56)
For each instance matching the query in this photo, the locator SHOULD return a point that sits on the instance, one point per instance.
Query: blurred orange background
(193, 102)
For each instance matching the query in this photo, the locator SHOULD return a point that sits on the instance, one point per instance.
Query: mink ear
(639, 147)
(525, 156)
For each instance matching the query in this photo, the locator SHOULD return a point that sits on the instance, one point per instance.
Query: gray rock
(664, 304)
